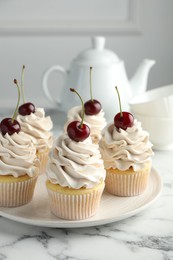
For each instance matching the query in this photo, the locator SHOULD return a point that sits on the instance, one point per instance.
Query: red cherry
(77, 132)
(92, 107)
(9, 126)
(26, 109)
(123, 120)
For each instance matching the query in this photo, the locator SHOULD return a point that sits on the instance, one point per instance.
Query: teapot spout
(139, 81)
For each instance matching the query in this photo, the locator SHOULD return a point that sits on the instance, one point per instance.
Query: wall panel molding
(125, 20)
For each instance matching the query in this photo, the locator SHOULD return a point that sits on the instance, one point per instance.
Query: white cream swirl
(75, 164)
(17, 155)
(38, 126)
(123, 149)
(95, 122)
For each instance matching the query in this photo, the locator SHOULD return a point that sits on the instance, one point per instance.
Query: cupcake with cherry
(94, 115)
(18, 162)
(126, 152)
(35, 123)
(75, 172)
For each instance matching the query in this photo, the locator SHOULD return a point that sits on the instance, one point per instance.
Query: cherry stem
(15, 112)
(22, 83)
(91, 95)
(83, 110)
(119, 101)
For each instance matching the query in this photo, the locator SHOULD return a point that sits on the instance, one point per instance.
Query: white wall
(42, 33)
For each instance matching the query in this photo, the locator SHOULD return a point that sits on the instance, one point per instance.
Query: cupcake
(75, 174)
(18, 164)
(126, 152)
(94, 115)
(18, 169)
(34, 122)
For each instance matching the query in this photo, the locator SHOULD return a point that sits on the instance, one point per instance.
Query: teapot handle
(49, 96)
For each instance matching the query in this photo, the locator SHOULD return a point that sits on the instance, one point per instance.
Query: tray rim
(60, 223)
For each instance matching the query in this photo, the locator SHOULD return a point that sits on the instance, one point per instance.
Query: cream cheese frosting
(75, 164)
(17, 155)
(123, 149)
(95, 122)
(38, 126)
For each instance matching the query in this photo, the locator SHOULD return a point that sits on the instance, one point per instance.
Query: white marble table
(148, 235)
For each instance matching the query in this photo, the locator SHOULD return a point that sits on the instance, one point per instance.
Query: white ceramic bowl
(156, 102)
(160, 130)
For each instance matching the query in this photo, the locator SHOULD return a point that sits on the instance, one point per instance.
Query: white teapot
(108, 71)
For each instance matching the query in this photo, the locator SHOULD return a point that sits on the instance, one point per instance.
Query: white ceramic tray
(111, 209)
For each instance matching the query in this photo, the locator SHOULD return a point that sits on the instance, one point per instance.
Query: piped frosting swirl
(75, 164)
(17, 155)
(38, 126)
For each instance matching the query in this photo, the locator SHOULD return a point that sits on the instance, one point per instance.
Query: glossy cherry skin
(76, 132)
(92, 107)
(124, 121)
(26, 109)
(7, 126)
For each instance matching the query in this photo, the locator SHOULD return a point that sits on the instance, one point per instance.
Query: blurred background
(43, 33)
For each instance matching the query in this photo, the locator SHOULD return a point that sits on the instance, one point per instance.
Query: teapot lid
(97, 55)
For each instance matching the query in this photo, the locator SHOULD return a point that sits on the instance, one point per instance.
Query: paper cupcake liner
(43, 158)
(76, 206)
(127, 184)
(17, 193)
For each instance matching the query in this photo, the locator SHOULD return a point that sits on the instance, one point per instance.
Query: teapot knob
(98, 42)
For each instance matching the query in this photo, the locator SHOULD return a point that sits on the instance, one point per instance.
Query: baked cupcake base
(127, 183)
(72, 204)
(15, 192)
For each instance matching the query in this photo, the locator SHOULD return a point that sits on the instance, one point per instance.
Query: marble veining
(148, 235)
